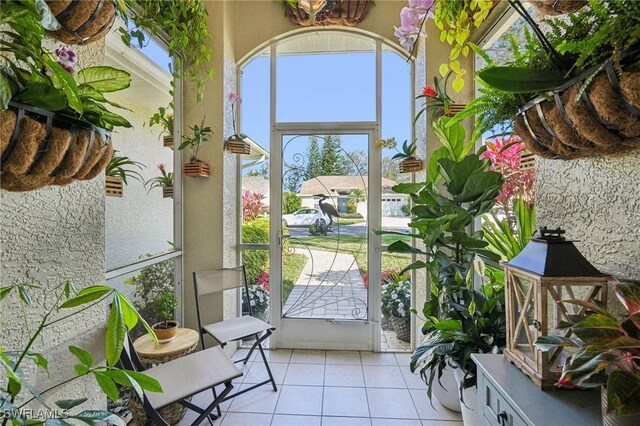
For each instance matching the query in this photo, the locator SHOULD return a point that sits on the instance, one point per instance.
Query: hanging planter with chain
(40, 148)
(334, 12)
(82, 21)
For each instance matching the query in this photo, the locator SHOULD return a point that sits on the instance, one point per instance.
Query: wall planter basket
(167, 142)
(454, 109)
(196, 170)
(167, 192)
(113, 186)
(40, 148)
(410, 165)
(237, 146)
(558, 7)
(337, 12)
(604, 122)
(82, 21)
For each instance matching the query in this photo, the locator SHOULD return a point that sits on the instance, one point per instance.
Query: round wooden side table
(150, 354)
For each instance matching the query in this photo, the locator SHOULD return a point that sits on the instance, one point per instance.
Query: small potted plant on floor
(164, 307)
(164, 181)
(116, 174)
(196, 167)
(258, 297)
(607, 355)
(396, 305)
(236, 143)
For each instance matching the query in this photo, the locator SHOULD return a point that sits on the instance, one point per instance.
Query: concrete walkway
(329, 286)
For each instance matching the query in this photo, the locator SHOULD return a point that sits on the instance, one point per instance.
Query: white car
(304, 217)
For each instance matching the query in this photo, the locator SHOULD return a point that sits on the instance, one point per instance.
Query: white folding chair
(234, 329)
(183, 378)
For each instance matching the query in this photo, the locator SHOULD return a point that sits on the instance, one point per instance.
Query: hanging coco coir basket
(604, 121)
(336, 12)
(40, 148)
(82, 21)
(558, 7)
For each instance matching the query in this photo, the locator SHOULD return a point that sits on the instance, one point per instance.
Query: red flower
(429, 91)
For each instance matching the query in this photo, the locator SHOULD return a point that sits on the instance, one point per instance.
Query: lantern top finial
(546, 234)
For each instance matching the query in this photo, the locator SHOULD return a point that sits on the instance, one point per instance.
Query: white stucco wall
(140, 222)
(597, 201)
(49, 236)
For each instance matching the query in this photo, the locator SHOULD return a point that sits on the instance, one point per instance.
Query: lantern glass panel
(526, 332)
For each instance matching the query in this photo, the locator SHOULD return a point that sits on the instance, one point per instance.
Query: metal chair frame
(129, 360)
(257, 344)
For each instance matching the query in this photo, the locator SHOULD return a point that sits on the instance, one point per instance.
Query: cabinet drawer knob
(503, 417)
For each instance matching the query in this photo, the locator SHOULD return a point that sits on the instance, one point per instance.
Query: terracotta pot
(163, 334)
(82, 22)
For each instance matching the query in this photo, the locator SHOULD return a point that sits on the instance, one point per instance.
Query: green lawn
(356, 246)
(291, 271)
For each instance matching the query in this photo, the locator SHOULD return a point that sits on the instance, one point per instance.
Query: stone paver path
(329, 286)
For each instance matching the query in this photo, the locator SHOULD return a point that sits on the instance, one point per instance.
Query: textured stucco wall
(48, 236)
(597, 201)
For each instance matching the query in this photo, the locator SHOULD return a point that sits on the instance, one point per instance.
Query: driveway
(388, 223)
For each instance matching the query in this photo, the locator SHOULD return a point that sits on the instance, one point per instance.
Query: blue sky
(327, 88)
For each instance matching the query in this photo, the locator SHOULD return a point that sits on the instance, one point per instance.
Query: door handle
(503, 418)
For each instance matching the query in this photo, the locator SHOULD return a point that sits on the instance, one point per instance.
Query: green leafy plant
(165, 307)
(68, 303)
(165, 180)
(506, 240)
(183, 24)
(291, 203)
(396, 296)
(475, 323)
(118, 167)
(455, 19)
(164, 118)
(437, 101)
(31, 74)
(408, 150)
(595, 34)
(607, 350)
(201, 134)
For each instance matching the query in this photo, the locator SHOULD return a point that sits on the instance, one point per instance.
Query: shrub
(255, 261)
(406, 209)
(351, 207)
(252, 205)
(290, 203)
(384, 277)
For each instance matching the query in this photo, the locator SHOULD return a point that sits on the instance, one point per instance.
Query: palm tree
(357, 195)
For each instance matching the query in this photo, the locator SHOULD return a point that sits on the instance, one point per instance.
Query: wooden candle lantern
(547, 272)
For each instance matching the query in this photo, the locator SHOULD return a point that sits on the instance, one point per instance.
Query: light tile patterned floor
(326, 388)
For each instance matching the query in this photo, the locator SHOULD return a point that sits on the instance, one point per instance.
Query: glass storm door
(326, 201)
